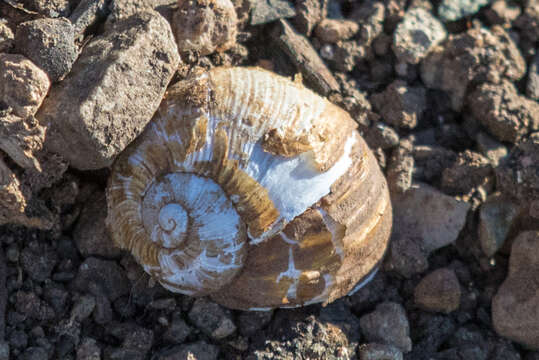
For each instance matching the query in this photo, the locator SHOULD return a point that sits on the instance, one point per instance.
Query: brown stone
(439, 291)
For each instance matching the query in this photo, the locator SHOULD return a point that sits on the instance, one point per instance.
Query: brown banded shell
(252, 189)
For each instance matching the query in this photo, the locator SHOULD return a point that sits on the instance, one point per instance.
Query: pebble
(29, 304)
(503, 112)
(205, 26)
(199, 350)
(400, 168)
(250, 322)
(90, 233)
(34, 353)
(309, 13)
(112, 91)
(469, 171)
(86, 14)
(417, 33)
(475, 55)
(370, 16)
(401, 105)
(514, 307)
(88, 350)
(83, 307)
(4, 350)
(121, 9)
(6, 37)
(50, 8)
(104, 275)
(49, 43)
(264, 12)
(38, 261)
(491, 148)
(177, 331)
(335, 30)
(496, 217)
(24, 85)
(532, 86)
(502, 12)
(451, 10)
(528, 21)
(373, 351)
(212, 319)
(439, 291)
(388, 324)
(442, 219)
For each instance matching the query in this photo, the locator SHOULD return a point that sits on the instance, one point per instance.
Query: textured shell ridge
(253, 190)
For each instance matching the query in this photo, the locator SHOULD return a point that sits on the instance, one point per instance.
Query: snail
(253, 190)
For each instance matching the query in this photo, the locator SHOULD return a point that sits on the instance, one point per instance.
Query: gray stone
(49, 43)
(401, 105)
(83, 307)
(88, 350)
(177, 331)
(50, 8)
(441, 219)
(309, 13)
(400, 168)
(112, 92)
(250, 322)
(38, 260)
(375, 351)
(514, 307)
(107, 276)
(4, 350)
(532, 86)
(86, 14)
(387, 324)
(23, 85)
(439, 291)
(417, 33)
(34, 353)
(197, 351)
(496, 217)
(121, 9)
(91, 234)
(489, 147)
(451, 10)
(469, 171)
(270, 10)
(212, 319)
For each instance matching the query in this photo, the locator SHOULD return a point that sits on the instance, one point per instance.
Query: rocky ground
(445, 93)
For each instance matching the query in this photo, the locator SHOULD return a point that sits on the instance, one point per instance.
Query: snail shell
(252, 189)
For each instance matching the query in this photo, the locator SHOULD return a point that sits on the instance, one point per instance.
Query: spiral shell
(252, 189)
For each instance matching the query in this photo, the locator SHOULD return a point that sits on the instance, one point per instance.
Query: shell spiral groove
(251, 189)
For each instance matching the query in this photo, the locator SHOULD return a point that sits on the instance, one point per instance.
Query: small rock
(467, 173)
(451, 10)
(496, 217)
(375, 351)
(514, 307)
(334, 30)
(431, 161)
(309, 13)
(31, 305)
(56, 296)
(250, 322)
(88, 350)
(122, 9)
(86, 14)
(383, 136)
(24, 85)
(6, 37)
(344, 55)
(34, 353)
(416, 35)
(387, 324)
(502, 12)
(50, 8)
(476, 56)
(439, 291)
(4, 350)
(503, 112)
(370, 16)
(195, 351)
(178, 330)
(104, 275)
(442, 219)
(532, 87)
(139, 339)
(90, 233)
(83, 307)
(400, 168)
(205, 26)
(112, 91)
(49, 43)
(528, 22)
(264, 12)
(401, 105)
(38, 260)
(492, 149)
(212, 319)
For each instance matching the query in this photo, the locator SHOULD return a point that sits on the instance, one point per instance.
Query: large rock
(515, 308)
(425, 220)
(112, 91)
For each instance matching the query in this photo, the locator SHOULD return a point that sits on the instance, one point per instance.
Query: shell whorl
(248, 180)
